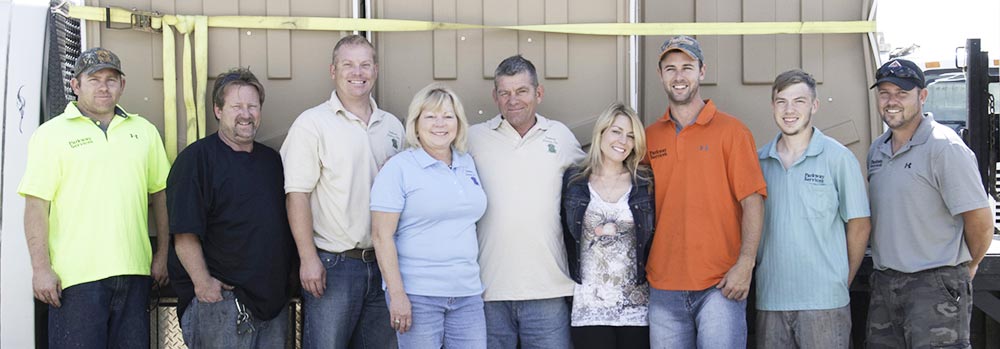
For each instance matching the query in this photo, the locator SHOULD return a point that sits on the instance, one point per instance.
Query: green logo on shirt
(552, 148)
(79, 142)
(395, 144)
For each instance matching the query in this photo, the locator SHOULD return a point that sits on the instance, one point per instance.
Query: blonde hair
(595, 155)
(433, 97)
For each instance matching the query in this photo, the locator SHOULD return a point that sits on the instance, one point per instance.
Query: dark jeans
(610, 337)
(214, 325)
(107, 313)
(352, 312)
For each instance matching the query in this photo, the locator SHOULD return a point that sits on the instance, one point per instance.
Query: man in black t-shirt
(232, 251)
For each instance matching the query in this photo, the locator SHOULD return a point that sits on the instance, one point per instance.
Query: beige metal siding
(580, 74)
(742, 68)
(292, 65)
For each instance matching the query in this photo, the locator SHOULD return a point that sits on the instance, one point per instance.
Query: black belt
(365, 255)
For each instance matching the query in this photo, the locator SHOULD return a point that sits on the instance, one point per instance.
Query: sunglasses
(898, 70)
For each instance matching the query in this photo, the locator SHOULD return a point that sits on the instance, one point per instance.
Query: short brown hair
(236, 76)
(792, 77)
(351, 40)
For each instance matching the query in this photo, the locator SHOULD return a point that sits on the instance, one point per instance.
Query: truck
(168, 54)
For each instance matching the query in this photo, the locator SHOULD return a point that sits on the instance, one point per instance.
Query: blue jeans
(456, 322)
(539, 323)
(213, 325)
(696, 319)
(107, 313)
(352, 312)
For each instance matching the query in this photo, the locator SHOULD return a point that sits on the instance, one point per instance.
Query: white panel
(26, 22)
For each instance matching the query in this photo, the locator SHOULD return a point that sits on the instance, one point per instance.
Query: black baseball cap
(902, 73)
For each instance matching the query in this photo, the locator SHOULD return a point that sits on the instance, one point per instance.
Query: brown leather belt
(365, 255)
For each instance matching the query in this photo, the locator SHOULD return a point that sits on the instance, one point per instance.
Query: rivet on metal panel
(462, 38)
(529, 40)
(145, 99)
(480, 112)
(249, 33)
(830, 99)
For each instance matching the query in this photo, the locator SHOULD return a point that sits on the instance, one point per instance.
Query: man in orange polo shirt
(710, 196)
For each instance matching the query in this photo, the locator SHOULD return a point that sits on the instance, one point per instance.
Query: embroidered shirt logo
(908, 164)
(395, 144)
(550, 144)
(133, 135)
(80, 142)
(653, 154)
(874, 165)
(814, 178)
(703, 147)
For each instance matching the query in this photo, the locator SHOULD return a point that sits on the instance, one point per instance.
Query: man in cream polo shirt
(521, 157)
(331, 155)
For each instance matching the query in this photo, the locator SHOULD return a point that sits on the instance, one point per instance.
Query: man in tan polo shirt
(331, 155)
(521, 157)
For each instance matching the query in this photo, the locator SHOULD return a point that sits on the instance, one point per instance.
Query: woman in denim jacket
(608, 222)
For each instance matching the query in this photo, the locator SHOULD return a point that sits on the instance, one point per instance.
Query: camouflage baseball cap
(682, 43)
(96, 59)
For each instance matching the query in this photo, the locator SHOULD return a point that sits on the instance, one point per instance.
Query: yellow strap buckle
(143, 21)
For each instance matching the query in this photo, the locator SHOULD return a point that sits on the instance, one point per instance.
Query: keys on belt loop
(244, 323)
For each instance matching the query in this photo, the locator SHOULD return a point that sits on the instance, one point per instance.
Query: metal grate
(63, 46)
(167, 328)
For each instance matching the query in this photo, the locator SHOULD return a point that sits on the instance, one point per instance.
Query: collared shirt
(331, 154)
(700, 176)
(802, 259)
(521, 252)
(98, 184)
(917, 197)
(438, 207)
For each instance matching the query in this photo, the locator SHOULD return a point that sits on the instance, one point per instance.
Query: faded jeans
(213, 325)
(539, 323)
(696, 319)
(352, 311)
(455, 322)
(826, 328)
(107, 313)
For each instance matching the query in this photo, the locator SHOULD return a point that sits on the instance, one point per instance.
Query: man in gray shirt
(931, 222)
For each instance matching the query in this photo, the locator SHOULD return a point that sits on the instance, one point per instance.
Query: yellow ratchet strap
(169, 94)
(195, 79)
(119, 15)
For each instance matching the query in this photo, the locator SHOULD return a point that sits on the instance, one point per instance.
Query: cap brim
(98, 67)
(902, 83)
(664, 53)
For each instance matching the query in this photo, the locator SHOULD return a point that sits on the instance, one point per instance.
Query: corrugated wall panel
(580, 74)
(742, 68)
(292, 65)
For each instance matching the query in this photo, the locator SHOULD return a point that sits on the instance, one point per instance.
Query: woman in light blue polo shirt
(425, 203)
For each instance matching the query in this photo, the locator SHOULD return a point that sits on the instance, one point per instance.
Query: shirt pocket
(820, 200)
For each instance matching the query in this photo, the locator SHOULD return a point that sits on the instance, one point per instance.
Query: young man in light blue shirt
(806, 260)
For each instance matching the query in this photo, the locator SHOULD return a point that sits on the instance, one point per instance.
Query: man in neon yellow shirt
(90, 174)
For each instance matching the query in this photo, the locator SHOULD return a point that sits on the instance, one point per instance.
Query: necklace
(609, 186)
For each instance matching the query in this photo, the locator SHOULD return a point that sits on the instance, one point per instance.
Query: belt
(365, 255)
